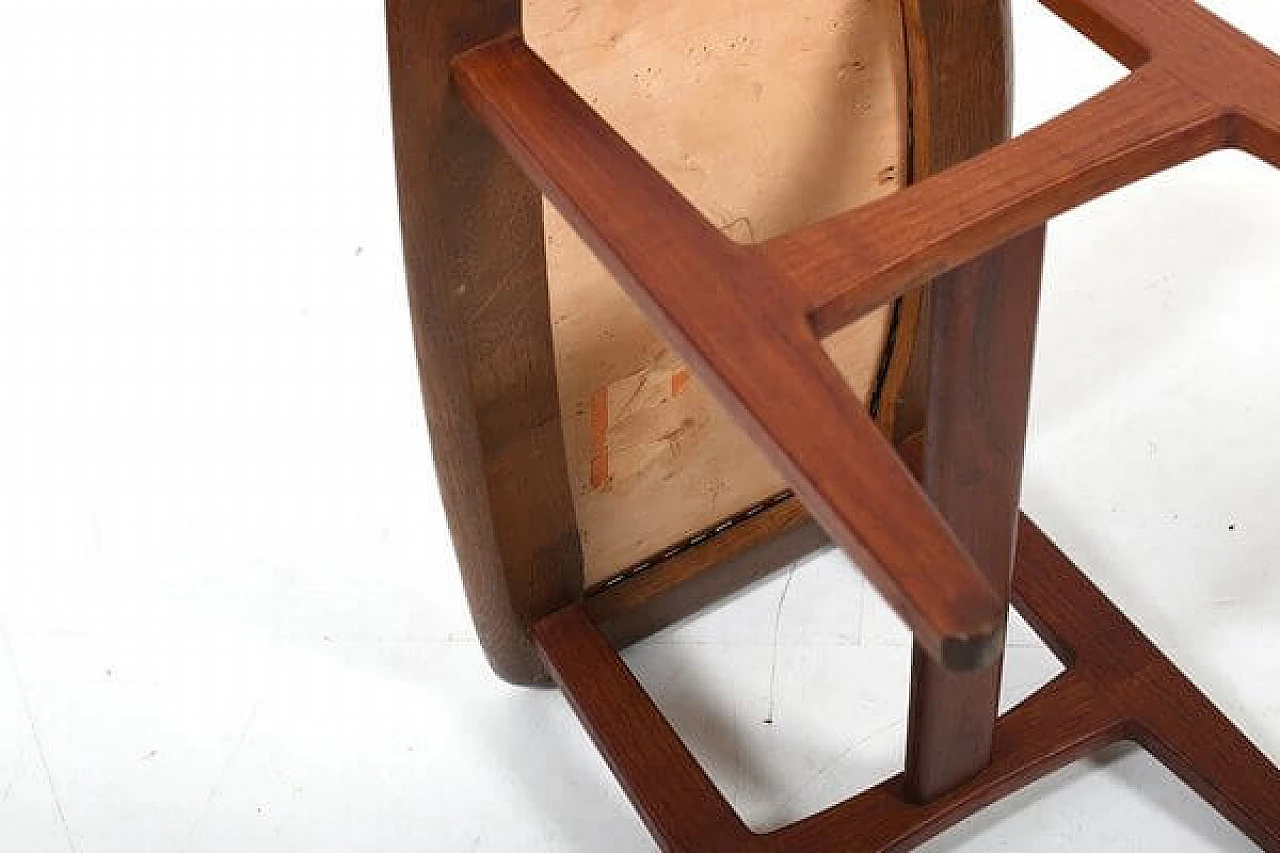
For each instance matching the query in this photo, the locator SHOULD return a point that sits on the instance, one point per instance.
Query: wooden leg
(1117, 686)
(983, 319)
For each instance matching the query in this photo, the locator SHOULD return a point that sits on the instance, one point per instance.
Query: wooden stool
(600, 486)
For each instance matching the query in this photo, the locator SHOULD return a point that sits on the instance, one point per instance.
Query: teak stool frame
(748, 319)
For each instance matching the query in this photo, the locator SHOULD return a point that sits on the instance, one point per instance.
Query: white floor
(230, 618)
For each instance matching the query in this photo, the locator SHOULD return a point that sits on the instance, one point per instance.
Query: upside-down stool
(801, 306)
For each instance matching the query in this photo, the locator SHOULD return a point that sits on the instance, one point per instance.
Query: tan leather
(765, 121)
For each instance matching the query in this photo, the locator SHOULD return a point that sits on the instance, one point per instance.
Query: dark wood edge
(893, 411)
(637, 605)
(473, 246)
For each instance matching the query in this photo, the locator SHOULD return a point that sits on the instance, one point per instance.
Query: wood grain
(472, 228)
(1199, 86)
(677, 801)
(810, 119)
(856, 261)
(1117, 686)
(740, 329)
(982, 320)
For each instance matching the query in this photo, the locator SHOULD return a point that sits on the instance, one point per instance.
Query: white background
(230, 616)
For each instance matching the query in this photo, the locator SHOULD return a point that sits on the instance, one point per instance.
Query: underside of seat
(808, 118)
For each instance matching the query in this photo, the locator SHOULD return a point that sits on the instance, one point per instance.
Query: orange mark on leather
(600, 438)
(679, 382)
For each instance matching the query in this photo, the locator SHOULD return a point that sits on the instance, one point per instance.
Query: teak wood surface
(981, 319)
(734, 319)
(473, 231)
(496, 354)
(1117, 687)
(749, 320)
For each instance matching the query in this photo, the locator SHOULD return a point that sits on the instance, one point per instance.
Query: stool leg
(983, 328)
(982, 323)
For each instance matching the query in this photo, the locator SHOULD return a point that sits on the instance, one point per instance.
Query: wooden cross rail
(743, 328)
(749, 319)
(1198, 86)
